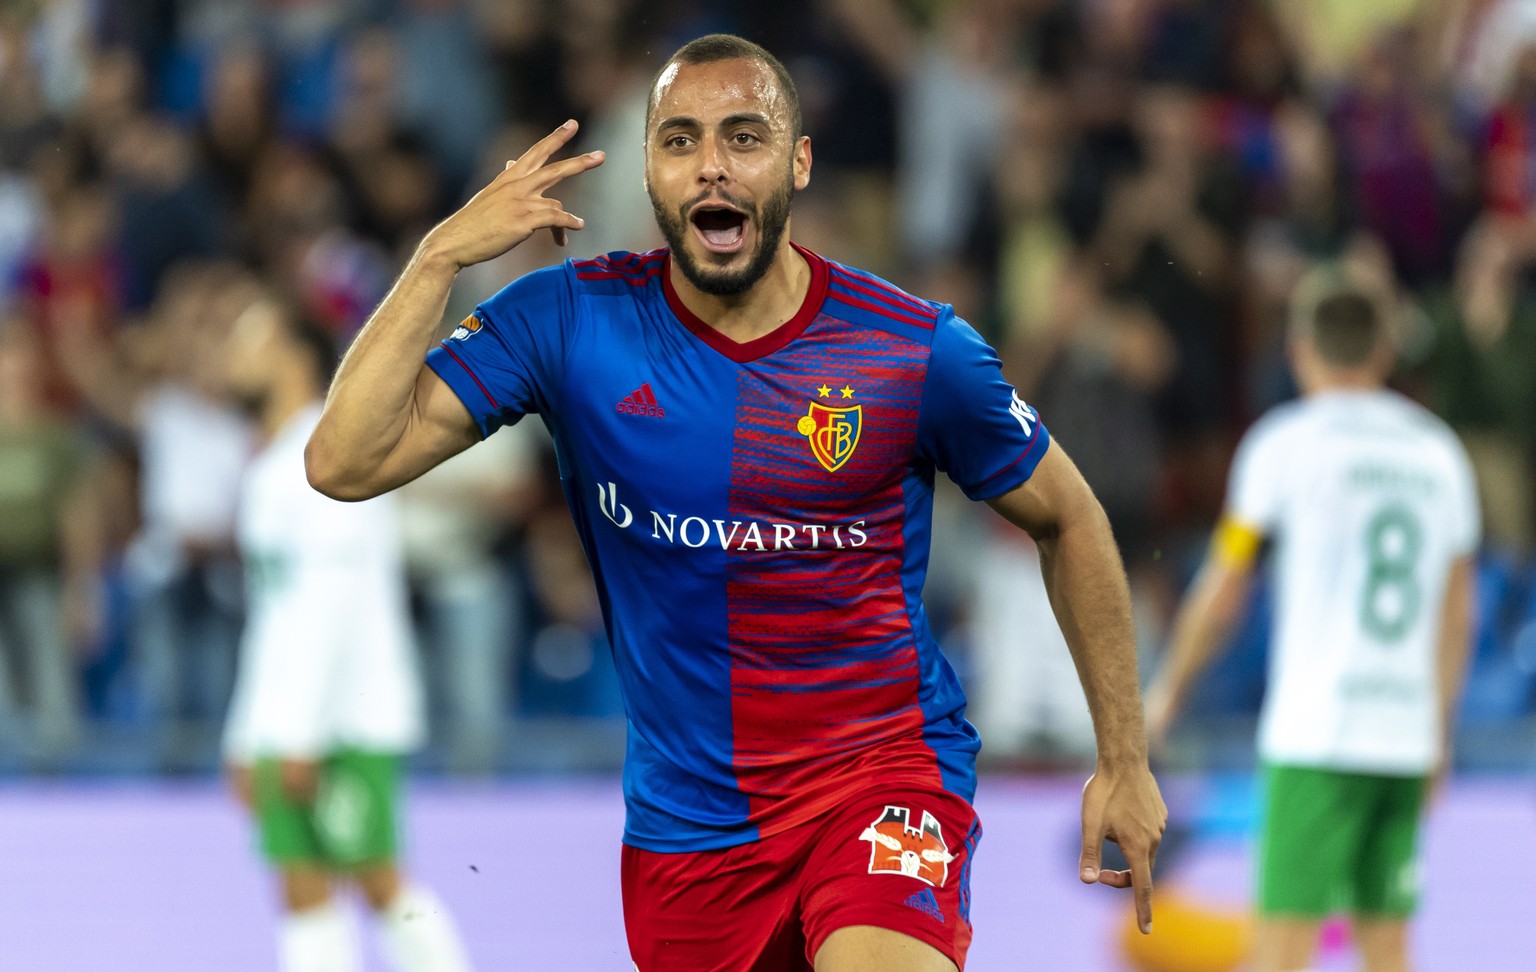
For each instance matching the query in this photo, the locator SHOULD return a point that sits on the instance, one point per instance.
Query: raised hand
(1123, 805)
(512, 207)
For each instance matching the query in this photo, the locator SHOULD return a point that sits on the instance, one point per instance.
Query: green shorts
(1335, 841)
(351, 822)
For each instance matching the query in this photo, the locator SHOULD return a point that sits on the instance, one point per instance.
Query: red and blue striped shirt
(757, 518)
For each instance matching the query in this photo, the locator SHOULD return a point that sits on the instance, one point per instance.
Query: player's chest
(833, 417)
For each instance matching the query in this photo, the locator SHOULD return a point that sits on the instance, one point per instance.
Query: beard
(771, 221)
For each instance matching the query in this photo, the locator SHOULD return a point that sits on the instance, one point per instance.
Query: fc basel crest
(833, 433)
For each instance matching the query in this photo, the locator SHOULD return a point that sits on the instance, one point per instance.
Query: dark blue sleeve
(973, 426)
(506, 359)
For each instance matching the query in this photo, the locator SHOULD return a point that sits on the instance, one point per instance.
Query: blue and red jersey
(757, 518)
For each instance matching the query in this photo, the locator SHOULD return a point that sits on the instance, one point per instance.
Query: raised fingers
(541, 179)
(545, 147)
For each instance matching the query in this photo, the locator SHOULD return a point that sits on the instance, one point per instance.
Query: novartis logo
(696, 531)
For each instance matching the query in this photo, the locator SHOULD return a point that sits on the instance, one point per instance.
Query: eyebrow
(685, 121)
(751, 118)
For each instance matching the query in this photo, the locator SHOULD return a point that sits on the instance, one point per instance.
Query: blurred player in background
(328, 696)
(1372, 508)
(748, 435)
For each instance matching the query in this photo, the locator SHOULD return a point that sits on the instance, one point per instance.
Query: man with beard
(748, 435)
(327, 699)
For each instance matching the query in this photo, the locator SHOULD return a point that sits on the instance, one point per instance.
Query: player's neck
(770, 302)
(1344, 381)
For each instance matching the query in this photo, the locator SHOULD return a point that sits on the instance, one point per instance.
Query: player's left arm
(1453, 651)
(1091, 599)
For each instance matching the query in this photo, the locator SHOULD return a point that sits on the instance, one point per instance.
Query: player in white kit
(1371, 507)
(328, 698)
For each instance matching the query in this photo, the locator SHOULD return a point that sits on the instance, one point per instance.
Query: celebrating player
(748, 435)
(327, 696)
(1372, 508)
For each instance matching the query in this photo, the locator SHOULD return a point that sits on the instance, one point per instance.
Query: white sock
(419, 934)
(322, 939)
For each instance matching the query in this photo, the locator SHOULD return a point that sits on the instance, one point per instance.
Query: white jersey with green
(1369, 499)
(327, 659)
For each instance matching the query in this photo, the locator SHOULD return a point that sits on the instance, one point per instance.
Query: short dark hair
(1345, 328)
(728, 47)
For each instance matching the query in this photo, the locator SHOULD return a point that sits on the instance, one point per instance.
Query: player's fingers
(1115, 879)
(1093, 840)
(1141, 883)
(560, 219)
(558, 232)
(543, 178)
(541, 150)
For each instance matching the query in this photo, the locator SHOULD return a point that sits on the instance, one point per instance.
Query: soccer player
(327, 698)
(1371, 507)
(748, 435)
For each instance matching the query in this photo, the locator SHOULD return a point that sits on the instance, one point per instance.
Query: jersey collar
(768, 343)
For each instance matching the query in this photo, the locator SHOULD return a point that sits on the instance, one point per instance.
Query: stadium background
(1119, 193)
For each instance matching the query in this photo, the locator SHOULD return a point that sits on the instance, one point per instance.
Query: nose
(713, 168)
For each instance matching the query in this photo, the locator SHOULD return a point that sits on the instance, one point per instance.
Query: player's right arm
(388, 417)
(1205, 621)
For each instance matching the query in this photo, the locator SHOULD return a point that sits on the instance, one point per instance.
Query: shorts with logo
(899, 859)
(1336, 841)
(351, 822)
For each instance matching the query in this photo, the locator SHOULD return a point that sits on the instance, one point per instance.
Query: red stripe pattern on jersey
(872, 294)
(825, 669)
(636, 269)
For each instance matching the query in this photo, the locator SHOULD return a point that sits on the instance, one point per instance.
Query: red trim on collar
(768, 343)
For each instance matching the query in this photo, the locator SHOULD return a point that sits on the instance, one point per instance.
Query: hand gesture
(513, 208)
(1124, 805)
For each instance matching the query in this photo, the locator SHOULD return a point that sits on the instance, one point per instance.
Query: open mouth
(721, 228)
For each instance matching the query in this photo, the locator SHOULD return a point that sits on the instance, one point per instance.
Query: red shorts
(899, 859)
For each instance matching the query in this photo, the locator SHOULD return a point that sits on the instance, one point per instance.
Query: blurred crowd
(1120, 194)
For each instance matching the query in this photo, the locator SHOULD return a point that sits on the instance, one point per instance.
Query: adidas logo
(641, 401)
(927, 903)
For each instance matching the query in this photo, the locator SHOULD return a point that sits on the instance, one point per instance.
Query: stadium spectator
(45, 573)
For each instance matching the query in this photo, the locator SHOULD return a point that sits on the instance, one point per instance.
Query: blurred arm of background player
(1204, 623)
(1092, 603)
(388, 417)
(1453, 652)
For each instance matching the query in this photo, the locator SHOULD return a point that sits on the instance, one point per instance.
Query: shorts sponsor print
(899, 859)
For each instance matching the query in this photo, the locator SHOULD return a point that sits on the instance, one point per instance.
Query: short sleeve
(505, 360)
(972, 425)
(1255, 488)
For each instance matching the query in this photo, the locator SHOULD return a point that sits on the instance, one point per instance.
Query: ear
(802, 162)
